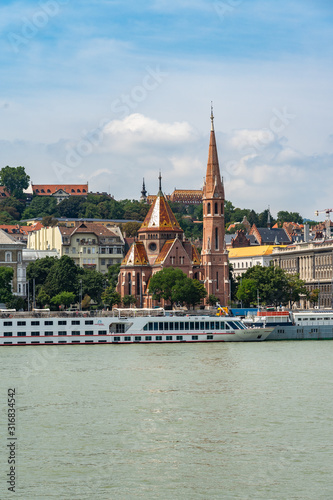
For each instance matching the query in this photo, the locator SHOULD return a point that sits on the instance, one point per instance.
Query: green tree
(212, 300)
(39, 269)
(165, 284)
(110, 297)
(128, 300)
(189, 292)
(15, 180)
(63, 299)
(284, 216)
(71, 207)
(6, 276)
(247, 291)
(43, 298)
(92, 283)
(131, 228)
(314, 296)
(296, 288)
(63, 276)
(113, 273)
(41, 206)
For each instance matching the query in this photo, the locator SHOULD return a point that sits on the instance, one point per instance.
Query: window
(34, 323)
(210, 337)
(8, 334)
(21, 323)
(216, 210)
(75, 341)
(34, 334)
(62, 342)
(8, 256)
(169, 337)
(35, 342)
(75, 332)
(21, 334)
(102, 332)
(197, 325)
(137, 339)
(208, 208)
(75, 322)
(89, 322)
(116, 339)
(148, 337)
(60, 322)
(102, 341)
(216, 238)
(48, 334)
(127, 339)
(158, 337)
(48, 322)
(62, 333)
(7, 323)
(195, 337)
(179, 337)
(89, 332)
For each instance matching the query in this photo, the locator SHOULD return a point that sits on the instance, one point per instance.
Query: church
(161, 242)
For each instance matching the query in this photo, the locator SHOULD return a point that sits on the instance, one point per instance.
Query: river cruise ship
(121, 326)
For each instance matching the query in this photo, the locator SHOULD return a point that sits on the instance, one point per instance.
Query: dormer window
(49, 190)
(42, 191)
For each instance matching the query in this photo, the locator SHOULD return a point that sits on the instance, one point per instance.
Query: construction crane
(327, 211)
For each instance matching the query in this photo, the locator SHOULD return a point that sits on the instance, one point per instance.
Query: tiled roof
(252, 251)
(51, 189)
(195, 256)
(136, 256)
(160, 217)
(164, 252)
(7, 239)
(88, 227)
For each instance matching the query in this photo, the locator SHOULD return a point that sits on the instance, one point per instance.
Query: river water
(177, 421)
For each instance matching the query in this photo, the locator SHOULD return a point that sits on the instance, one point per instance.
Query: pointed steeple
(213, 184)
(143, 192)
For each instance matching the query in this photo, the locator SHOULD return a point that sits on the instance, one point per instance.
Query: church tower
(214, 255)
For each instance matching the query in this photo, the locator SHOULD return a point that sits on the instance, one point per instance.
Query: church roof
(164, 252)
(160, 217)
(136, 256)
(195, 256)
(213, 184)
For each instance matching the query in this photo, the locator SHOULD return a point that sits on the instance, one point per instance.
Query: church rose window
(152, 247)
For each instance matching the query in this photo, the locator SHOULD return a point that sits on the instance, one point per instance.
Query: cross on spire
(211, 115)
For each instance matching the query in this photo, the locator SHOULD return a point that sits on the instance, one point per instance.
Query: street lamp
(81, 295)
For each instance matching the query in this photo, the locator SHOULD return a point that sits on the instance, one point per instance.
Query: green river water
(179, 421)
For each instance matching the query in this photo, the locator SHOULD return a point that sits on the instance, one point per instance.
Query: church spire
(211, 116)
(213, 183)
(159, 184)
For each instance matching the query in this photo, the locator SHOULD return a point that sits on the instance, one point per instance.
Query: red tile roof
(50, 189)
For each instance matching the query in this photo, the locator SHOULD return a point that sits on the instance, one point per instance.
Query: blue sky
(110, 92)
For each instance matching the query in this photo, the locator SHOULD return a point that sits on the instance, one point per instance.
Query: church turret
(214, 254)
(143, 197)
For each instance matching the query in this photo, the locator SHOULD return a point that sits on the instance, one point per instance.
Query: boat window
(35, 323)
(48, 341)
(116, 339)
(7, 323)
(48, 334)
(35, 342)
(145, 328)
(312, 319)
(303, 319)
(89, 332)
(179, 337)
(148, 337)
(210, 337)
(137, 339)
(34, 334)
(100, 341)
(8, 342)
(171, 325)
(195, 337)
(222, 326)
(21, 334)
(127, 339)
(166, 326)
(181, 325)
(212, 325)
(197, 325)
(60, 322)
(75, 322)
(217, 325)
(21, 323)
(62, 333)
(89, 322)
(75, 341)
(207, 325)
(176, 325)
(160, 326)
(186, 325)
(169, 337)
(150, 326)
(46, 322)
(62, 342)
(75, 332)
(191, 325)
(202, 325)
(155, 326)
(158, 337)
(8, 334)
(233, 325)
(101, 332)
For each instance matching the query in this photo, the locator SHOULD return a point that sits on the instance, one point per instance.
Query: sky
(110, 92)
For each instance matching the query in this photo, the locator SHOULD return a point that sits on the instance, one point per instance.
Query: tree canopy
(15, 180)
(6, 276)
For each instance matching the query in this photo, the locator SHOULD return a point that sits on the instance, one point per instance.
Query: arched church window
(216, 238)
(129, 284)
(216, 210)
(208, 208)
(138, 284)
